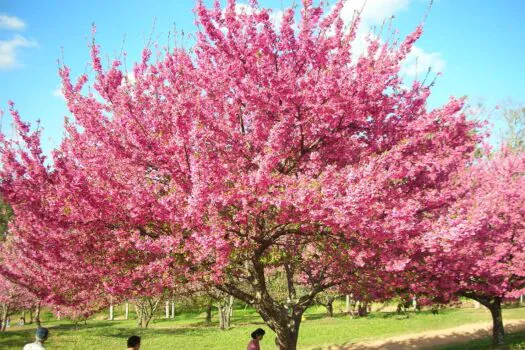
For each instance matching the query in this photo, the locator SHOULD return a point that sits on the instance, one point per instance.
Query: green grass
(188, 330)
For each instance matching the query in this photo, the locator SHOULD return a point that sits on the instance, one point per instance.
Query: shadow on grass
(17, 338)
(478, 340)
(514, 340)
(124, 333)
(80, 326)
(372, 315)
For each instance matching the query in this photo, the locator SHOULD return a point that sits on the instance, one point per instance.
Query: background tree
(5, 215)
(327, 298)
(13, 298)
(478, 248)
(514, 132)
(145, 308)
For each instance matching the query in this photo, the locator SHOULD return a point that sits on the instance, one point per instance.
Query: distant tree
(13, 298)
(514, 132)
(477, 248)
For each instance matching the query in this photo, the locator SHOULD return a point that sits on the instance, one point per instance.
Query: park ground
(451, 329)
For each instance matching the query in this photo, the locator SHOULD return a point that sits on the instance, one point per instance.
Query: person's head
(42, 334)
(134, 342)
(258, 334)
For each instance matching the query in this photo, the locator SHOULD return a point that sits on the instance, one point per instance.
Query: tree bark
(5, 314)
(167, 308)
(111, 315)
(498, 331)
(208, 313)
(138, 311)
(330, 307)
(225, 307)
(172, 309)
(37, 316)
(127, 310)
(145, 310)
(494, 306)
(282, 316)
(362, 309)
(221, 317)
(284, 324)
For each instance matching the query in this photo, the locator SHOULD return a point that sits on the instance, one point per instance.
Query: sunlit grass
(189, 330)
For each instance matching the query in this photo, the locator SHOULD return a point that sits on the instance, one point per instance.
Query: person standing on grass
(134, 342)
(41, 336)
(257, 336)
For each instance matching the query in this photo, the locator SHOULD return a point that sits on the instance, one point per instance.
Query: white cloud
(374, 11)
(9, 50)
(419, 61)
(276, 17)
(11, 22)
(130, 78)
(58, 93)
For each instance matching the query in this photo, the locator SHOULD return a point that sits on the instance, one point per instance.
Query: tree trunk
(283, 317)
(494, 305)
(347, 305)
(288, 336)
(330, 307)
(30, 315)
(285, 326)
(37, 316)
(5, 313)
(221, 316)
(208, 313)
(167, 308)
(138, 312)
(145, 308)
(111, 315)
(24, 316)
(127, 311)
(172, 309)
(498, 331)
(362, 309)
(224, 307)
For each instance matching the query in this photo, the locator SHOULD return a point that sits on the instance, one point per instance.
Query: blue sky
(476, 44)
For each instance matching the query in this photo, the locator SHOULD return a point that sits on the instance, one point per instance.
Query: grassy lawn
(188, 330)
(515, 341)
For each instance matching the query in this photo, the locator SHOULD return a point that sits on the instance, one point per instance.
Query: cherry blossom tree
(264, 152)
(13, 298)
(478, 248)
